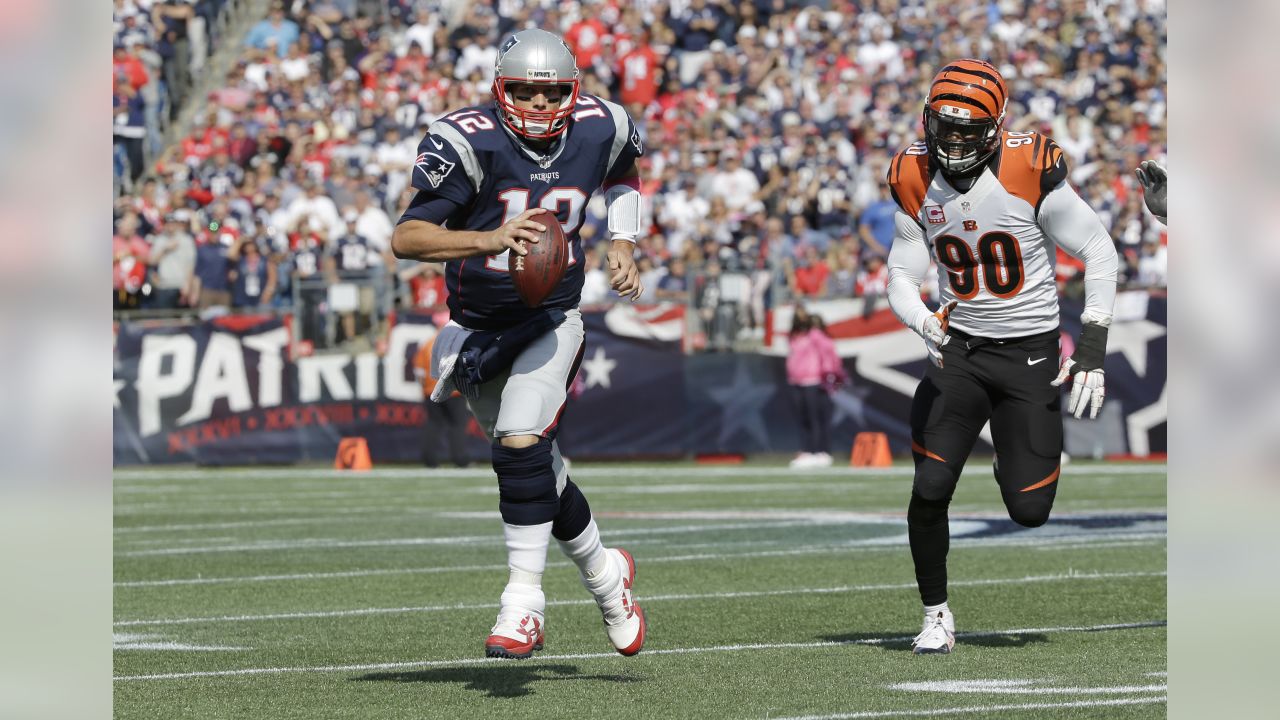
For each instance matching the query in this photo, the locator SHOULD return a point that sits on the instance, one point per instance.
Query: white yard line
(360, 612)
(785, 519)
(959, 543)
(629, 470)
(1005, 686)
(353, 514)
(327, 543)
(983, 709)
(463, 662)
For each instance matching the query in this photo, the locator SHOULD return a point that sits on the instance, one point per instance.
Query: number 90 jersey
(998, 261)
(488, 177)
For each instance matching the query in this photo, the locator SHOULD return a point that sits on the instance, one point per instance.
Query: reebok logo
(1033, 362)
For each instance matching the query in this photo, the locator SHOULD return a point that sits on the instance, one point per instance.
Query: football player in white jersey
(989, 206)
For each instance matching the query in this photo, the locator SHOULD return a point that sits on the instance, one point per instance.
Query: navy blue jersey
(488, 177)
(251, 280)
(351, 253)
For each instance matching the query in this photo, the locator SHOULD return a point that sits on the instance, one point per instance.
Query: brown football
(537, 274)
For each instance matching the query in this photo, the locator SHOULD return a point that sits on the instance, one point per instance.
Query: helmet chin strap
(962, 180)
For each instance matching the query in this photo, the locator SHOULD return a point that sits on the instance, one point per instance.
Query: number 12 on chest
(516, 201)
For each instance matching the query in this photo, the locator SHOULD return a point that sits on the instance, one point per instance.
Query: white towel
(444, 356)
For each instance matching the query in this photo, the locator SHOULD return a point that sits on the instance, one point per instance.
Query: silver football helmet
(535, 57)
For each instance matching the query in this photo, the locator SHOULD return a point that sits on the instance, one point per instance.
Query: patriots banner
(886, 361)
(228, 392)
(628, 399)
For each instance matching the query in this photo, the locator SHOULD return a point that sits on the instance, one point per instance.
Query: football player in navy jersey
(481, 174)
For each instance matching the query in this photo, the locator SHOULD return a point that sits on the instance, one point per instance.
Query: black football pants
(1006, 382)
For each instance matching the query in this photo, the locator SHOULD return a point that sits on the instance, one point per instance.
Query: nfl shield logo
(933, 213)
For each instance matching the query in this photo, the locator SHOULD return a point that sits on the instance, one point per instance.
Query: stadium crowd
(768, 127)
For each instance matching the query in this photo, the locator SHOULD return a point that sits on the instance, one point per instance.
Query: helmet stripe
(994, 79)
(959, 87)
(962, 99)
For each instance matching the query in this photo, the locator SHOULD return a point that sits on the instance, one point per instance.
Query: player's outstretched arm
(428, 242)
(1073, 225)
(1155, 188)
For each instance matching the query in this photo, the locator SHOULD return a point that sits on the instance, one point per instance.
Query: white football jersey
(992, 252)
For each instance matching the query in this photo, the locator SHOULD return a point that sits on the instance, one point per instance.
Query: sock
(526, 559)
(600, 575)
(933, 610)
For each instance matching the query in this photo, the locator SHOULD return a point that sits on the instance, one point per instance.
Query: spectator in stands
(674, 285)
(129, 257)
(734, 184)
(348, 261)
(276, 31)
(875, 226)
(130, 128)
(254, 275)
(170, 20)
(1153, 265)
(306, 268)
(595, 284)
(873, 283)
(173, 255)
(809, 100)
(811, 272)
(213, 267)
(717, 312)
(314, 212)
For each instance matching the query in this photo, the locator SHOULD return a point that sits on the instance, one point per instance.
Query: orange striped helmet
(964, 114)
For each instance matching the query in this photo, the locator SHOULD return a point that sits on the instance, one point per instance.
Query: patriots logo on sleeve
(434, 168)
(637, 142)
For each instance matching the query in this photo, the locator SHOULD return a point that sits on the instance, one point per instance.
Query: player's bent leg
(607, 573)
(528, 502)
(1026, 429)
(1028, 486)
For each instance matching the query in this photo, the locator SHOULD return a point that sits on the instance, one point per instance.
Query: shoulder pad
(909, 178)
(1031, 165)
(468, 132)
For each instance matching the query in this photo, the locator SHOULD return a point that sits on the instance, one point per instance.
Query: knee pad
(934, 481)
(574, 515)
(526, 483)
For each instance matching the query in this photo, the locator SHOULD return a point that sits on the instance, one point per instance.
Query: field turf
(770, 593)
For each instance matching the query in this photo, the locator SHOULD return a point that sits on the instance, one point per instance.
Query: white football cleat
(803, 460)
(938, 635)
(623, 619)
(821, 459)
(516, 635)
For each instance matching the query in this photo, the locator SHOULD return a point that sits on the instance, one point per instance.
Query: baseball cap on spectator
(350, 216)
(747, 31)
(717, 46)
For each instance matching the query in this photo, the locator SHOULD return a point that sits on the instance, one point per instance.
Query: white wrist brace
(623, 202)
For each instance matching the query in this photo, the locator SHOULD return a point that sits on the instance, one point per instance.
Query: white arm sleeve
(908, 263)
(1070, 223)
(624, 209)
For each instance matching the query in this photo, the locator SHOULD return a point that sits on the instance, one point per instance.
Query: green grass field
(770, 593)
